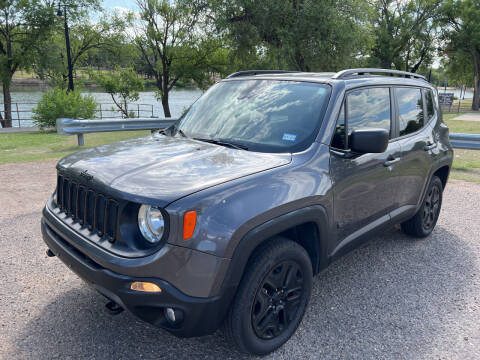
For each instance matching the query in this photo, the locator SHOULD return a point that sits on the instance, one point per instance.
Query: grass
(36, 146)
(466, 163)
(24, 75)
(467, 102)
(461, 126)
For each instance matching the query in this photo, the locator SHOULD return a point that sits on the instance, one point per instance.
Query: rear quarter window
(430, 104)
(411, 116)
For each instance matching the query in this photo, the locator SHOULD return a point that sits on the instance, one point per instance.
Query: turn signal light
(145, 287)
(189, 222)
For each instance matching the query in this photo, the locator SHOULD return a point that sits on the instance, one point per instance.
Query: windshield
(261, 115)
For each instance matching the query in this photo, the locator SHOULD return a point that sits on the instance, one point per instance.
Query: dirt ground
(394, 298)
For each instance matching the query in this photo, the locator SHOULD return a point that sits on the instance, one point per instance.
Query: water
(456, 92)
(179, 100)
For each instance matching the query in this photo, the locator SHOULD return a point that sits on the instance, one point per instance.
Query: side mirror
(364, 141)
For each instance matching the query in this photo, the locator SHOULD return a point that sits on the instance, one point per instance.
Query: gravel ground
(394, 298)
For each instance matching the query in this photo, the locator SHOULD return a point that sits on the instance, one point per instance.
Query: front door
(365, 185)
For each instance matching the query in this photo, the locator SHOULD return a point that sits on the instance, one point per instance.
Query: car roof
(350, 78)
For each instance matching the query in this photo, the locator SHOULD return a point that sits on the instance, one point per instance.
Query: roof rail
(370, 71)
(258, 72)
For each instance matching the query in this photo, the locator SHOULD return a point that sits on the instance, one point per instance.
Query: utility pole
(67, 43)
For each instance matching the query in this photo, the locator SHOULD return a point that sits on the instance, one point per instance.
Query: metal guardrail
(66, 127)
(465, 141)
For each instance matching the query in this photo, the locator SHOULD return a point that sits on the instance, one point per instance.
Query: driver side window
(364, 108)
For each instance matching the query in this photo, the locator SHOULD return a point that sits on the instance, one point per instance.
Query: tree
(459, 69)
(121, 54)
(174, 45)
(403, 32)
(122, 85)
(294, 34)
(22, 24)
(463, 37)
(85, 38)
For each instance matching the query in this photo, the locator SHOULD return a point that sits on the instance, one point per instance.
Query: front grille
(94, 211)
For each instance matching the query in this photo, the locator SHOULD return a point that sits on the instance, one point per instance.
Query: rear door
(416, 141)
(364, 185)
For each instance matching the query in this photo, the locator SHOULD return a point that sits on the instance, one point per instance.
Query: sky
(111, 4)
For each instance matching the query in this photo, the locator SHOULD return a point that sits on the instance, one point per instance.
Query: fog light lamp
(145, 287)
(174, 316)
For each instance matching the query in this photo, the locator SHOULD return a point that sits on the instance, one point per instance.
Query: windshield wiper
(224, 143)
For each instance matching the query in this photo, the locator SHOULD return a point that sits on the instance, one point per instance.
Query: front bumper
(202, 315)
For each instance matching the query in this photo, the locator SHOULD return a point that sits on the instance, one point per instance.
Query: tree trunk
(476, 80)
(386, 64)
(166, 90)
(7, 105)
(166, 106)
(300, 61)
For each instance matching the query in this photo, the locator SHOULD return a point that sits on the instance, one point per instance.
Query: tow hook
(50, 253)
(113, 308)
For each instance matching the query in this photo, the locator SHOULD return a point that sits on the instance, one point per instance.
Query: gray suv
(225, 217)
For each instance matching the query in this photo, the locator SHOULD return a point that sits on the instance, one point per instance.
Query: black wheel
(272, 297)
(424, 221)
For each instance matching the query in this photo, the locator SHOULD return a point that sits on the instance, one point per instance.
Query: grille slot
(87, 207)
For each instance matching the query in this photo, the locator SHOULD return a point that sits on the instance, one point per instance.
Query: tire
(265, 314)
(424, 221)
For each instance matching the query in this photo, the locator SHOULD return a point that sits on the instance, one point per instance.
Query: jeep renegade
(226, 216)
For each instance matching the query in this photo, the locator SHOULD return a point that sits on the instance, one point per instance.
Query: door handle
(430, 146)
(391, 162)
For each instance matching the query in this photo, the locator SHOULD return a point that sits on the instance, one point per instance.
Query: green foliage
(459, 69)
(22, 24)
(123, 85)
(463, 38)
(176, 45)
(404, 33)
(57, 104)
(294, 35)
(87, 40)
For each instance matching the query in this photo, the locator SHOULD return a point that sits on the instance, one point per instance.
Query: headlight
(151, 223)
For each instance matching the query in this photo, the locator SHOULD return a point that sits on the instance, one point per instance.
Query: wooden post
(459, 99)
(81, 140)
(138, 110)
(18, 116)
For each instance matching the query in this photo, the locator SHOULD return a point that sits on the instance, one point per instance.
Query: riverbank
(25, 84)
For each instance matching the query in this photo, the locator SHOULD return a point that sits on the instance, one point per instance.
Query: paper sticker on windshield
(289, 137)
(321, 91)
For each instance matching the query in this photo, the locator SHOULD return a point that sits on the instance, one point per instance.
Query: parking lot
(394, 298)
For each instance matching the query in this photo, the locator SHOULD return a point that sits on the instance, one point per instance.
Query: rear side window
(410, 110)
(365, 108)
(430, 104)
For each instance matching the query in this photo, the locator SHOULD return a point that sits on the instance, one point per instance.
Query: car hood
(166, 168)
